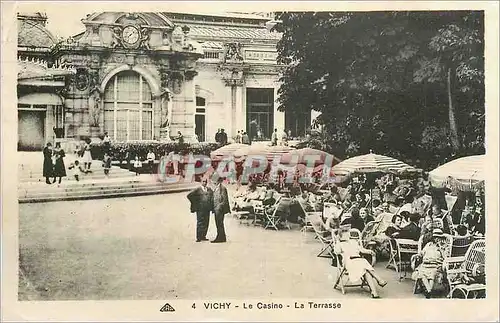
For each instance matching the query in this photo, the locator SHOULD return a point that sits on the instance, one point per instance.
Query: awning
(41, 99)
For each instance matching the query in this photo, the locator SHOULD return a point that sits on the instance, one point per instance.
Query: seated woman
(365, 215)
(380, 240)
(357, 266)
(395, 226)
(430, 270)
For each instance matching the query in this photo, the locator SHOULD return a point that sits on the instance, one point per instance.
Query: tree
(380, 79)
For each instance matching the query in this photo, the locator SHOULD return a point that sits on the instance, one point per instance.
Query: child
(76, 169)
(137, 165)
(106, 163)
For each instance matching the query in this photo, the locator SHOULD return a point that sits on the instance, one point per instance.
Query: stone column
(279, 117)
(183, 105)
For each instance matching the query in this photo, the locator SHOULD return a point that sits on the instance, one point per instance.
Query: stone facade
(143, 76)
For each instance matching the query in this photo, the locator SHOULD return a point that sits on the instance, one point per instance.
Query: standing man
(221, 207)
(202, 202)
(217, 136)
(274, 138)
(223, 137)
(180, 137)
(237, 138)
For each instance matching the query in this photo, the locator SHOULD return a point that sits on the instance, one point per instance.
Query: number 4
(194, 305)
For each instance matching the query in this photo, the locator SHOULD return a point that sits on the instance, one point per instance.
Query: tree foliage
(380, 80)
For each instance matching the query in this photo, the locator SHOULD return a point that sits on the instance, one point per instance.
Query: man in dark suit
(221, 207)
(202, 202)
(412, 230)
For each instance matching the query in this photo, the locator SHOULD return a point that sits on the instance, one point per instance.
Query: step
(90, 186)
(97, 190)
(172, 188)
(94, 175)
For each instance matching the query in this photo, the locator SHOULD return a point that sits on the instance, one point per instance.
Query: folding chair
(274, 215)
(343, 281)
(308, 216)
(400, 255)
(367, 233)
(325, 236)
(258, 211)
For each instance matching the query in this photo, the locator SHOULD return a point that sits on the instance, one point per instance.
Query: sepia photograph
(248, 160)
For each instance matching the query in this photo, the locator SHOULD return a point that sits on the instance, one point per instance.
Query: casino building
(147, 76)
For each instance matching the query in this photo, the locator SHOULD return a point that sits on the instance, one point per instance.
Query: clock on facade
(130, 35)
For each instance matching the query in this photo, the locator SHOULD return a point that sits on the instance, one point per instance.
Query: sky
(64, 18)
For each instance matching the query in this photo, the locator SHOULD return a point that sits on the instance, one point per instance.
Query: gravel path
(144, 248)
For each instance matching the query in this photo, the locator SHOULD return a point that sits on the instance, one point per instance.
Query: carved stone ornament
(82, 80)
(233, 52)
(117, 38)
(190, 74)
(145, 34)
(176, 81)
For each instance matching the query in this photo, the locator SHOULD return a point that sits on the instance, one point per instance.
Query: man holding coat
(202, 202)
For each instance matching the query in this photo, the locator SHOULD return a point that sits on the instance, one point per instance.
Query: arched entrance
(128, 107)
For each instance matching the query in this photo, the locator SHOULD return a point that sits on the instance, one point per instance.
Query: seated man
(412, 230)
(357, 266)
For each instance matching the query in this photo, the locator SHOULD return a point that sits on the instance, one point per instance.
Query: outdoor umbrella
(226, 151)
(300, 156)
(371, 163)
(465, 173)
(273, 152)
(254, 150)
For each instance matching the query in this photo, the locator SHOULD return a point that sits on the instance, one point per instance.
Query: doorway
(31, 130)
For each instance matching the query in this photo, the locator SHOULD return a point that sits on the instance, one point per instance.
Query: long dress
(87, 156)
(48, 167)
(356, 265)
(59, 167)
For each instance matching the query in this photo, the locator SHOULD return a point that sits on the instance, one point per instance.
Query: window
(297, 123)
(200, 118)
(260, 113)
(128, 107)
(211, 55)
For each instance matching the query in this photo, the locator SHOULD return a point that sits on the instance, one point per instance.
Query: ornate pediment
(134, 31)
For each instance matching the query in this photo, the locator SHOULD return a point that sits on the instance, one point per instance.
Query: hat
(437, 233)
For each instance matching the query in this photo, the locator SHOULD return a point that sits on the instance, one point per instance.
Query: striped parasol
(273, 152)
(371, 163)
(254, 150)
(466, 173)
(226, 151)
(305, 155)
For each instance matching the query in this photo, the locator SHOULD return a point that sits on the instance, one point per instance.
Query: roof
(32, 33)
(216, 32)
(27, 69)
(240, 15)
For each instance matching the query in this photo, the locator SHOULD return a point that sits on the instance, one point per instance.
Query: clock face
(130, 35)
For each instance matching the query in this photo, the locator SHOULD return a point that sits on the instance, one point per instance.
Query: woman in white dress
(87, 156)
(357, 266)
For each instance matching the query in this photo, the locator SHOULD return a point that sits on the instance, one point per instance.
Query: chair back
(460, 245)
(355, 234)
(475, 255)
(368, 231)
(331, 210)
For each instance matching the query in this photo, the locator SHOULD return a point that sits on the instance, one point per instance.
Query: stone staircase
(120, 183)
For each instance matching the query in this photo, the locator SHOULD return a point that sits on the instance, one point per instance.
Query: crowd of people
(383, 209)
